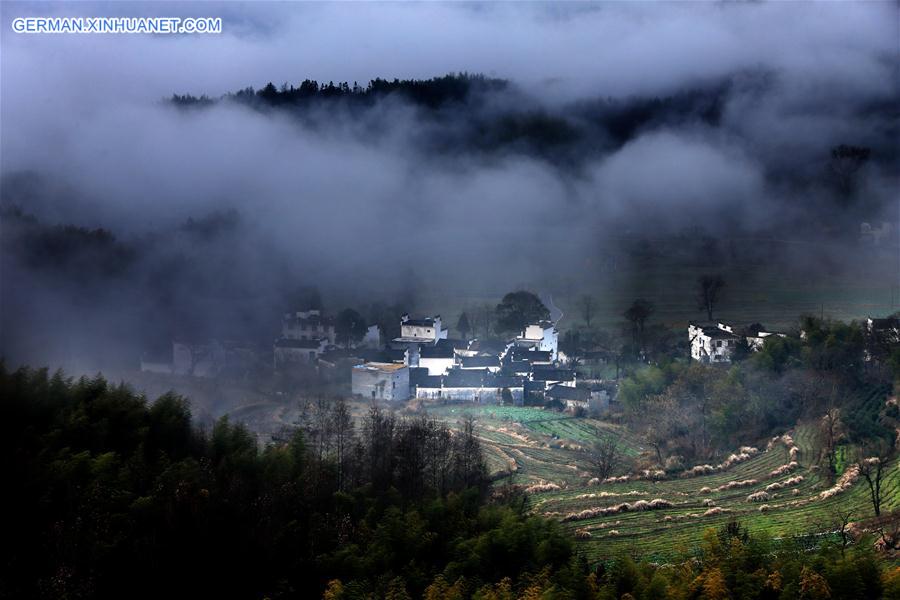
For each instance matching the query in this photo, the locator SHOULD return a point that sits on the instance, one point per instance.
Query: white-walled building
(423, 331)
(478, 386)
(307, 325)
(437, 359)
(541, 336)
(712, 343)
(881, 336)
(716, 342)
(381, 381)
(756, 336)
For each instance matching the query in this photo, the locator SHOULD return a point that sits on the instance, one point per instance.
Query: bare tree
(830, 434)
(605, 456)
(342, 431)
(840, 522)
(437, 449)
(487, 319)
(709, 288)
(470, 468)
(637, 314)
(873, 463)
(658, 420)
(587, 309)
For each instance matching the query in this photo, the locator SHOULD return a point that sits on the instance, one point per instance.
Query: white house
(756, 336)
(437, 359)
(541, 336)
(712, 343)
(423, 331)
(471, 385)
(307, 325)
(881, 336)
(381, 381)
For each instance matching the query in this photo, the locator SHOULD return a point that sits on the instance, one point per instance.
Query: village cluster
(431, 366)
(424, 363)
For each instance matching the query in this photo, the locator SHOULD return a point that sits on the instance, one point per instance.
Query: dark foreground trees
(107, 496)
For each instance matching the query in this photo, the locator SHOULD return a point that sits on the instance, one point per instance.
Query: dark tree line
(431, 93)
(115, 497)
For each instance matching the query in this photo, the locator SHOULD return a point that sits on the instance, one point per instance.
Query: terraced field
(537, 445)
(547, 447)
(697, 504)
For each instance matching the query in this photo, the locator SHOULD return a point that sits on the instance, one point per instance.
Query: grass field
(547, 447)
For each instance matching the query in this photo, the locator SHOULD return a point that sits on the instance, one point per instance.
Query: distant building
(573, 398)
(422, 331)
(873, 235)
(372, 339)
(491, 363)
(197, 359)
(288, 351)
(437, 359)
(212, 358)
(307, 325)
(381, 381)
(712, 343)
(469, 385)
(882, 335)
(486, 347)
(756, 335)
(541, 336)
(600, 399)
(550, 376)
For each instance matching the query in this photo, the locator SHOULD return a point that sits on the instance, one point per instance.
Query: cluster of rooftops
(511, 367)
(440, 366)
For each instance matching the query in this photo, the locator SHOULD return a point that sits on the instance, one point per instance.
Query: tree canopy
(350, 327)
(519, 309)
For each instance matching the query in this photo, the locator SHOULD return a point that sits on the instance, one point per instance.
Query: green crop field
(542, 446)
